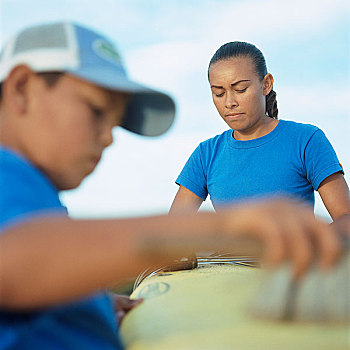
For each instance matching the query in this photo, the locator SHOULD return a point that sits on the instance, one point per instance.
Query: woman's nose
(230, 101)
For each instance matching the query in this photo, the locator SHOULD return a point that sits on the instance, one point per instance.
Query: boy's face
(71, 124)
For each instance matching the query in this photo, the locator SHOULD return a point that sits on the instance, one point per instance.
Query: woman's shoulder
(217, 139)
(213, 145)
(299, 128)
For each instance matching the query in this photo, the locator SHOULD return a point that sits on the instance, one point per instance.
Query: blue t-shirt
(25, 192)
(293, 159)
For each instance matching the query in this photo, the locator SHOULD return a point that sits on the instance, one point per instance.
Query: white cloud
(209, 24)
(138, 177)
(277, 18)
(322, 106)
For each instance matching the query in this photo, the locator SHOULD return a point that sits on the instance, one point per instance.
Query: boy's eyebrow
(233, 84)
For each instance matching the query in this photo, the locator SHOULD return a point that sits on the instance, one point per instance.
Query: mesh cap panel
(54, 36)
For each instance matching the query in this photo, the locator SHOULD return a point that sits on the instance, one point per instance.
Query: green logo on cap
(106, 50)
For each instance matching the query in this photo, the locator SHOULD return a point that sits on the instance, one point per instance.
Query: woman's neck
(265, 127)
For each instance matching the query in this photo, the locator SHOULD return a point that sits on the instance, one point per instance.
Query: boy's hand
(122, 305)
(288, 230)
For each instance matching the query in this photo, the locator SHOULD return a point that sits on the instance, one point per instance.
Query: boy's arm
(51, 260)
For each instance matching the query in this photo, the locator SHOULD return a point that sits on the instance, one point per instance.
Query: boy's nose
(106, 136)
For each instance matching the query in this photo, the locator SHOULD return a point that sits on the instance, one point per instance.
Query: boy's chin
(69, 185)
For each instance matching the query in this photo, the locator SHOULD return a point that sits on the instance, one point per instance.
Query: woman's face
(239, 94)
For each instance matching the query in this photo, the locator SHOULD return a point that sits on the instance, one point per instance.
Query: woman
(259, 155)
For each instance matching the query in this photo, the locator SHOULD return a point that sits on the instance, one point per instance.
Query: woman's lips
(233, 116)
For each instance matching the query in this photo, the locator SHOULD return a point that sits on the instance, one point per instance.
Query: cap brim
(149, 112)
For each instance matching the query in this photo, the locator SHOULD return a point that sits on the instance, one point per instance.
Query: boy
(63, 89)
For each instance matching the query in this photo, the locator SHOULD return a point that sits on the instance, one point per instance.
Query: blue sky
(168, 44)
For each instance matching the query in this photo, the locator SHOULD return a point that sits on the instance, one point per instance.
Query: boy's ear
(267, 83)
(15, 88)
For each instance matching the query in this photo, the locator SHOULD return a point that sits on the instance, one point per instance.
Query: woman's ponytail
(271, 105)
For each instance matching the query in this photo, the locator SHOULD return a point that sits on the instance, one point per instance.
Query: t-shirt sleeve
(321, 160)
(25, 194)
(193, 175)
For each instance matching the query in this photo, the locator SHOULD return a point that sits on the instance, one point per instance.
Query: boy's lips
(95, 160)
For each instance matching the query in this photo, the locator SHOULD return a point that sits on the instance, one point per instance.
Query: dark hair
(50, 79)
(239, 49)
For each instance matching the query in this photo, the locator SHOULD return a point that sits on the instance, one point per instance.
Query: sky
(167, 45)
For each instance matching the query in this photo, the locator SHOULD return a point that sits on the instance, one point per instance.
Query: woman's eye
(219, 95)
(241, 90)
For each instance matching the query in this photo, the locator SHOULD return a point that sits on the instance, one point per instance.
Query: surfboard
(210, 307)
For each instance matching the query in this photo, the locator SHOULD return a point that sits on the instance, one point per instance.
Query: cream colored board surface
(209, 308)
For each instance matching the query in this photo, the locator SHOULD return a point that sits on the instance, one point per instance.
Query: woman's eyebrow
(233, 84)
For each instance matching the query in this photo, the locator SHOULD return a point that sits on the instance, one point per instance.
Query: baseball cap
(86, 54)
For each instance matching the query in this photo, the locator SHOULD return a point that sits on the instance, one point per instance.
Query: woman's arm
(185, 201)
(335, 195)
